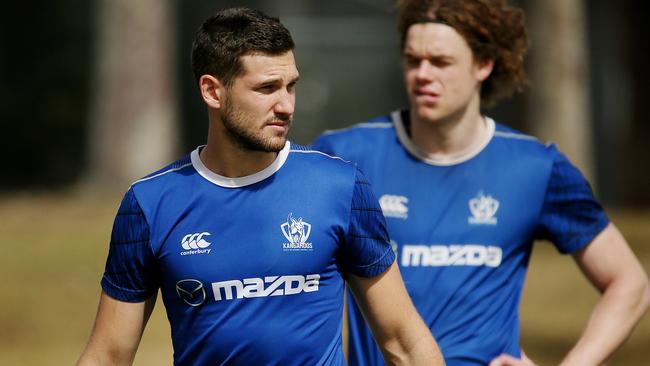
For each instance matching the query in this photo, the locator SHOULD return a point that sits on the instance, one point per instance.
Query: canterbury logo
(394, 206)
(195, 243)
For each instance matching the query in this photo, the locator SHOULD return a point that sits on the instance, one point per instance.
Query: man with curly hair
(466, 197)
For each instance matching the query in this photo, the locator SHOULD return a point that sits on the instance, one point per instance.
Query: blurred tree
(559, 96)
(133, 112)
(348, 56)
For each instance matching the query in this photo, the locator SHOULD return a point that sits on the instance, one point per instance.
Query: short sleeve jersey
(250, 269)
(463, 228)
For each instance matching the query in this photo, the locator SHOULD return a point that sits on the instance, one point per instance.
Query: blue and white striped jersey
(463, 228)
(250, 269)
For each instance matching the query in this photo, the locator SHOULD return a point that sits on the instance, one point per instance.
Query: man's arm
(610, 265)
(399, 331)
(117, 331)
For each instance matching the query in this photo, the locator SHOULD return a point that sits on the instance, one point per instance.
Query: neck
(225, 157)
(453, 135)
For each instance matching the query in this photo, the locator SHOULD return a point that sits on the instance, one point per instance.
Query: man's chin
(274, 144)
(280, 145)
(427, 114)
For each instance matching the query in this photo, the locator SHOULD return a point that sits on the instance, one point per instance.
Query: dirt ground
(54, 248)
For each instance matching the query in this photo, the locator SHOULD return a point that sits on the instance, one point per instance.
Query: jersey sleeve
(367, 251)
(571, 216)
(131, 267)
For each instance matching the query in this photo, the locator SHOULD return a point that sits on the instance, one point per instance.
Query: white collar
(228, 182)
(440, 159)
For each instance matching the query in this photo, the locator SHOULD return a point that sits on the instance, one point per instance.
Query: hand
(507, 360)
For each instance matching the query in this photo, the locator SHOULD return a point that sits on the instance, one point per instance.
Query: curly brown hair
(493, 30)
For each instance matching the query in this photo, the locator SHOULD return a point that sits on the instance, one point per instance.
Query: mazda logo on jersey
(191, 291)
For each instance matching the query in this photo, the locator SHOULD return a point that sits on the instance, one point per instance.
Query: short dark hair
(492, 29)
(229, 34)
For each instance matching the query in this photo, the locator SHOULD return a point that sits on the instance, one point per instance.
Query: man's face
(441, 75)
(258, 107)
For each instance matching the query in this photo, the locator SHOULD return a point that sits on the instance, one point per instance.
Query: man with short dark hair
(250, 237)
(465, 197)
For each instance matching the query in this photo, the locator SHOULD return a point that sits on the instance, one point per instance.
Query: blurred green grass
(54, 248)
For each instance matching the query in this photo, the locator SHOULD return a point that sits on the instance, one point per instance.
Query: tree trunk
(133, 112)
(559, 104)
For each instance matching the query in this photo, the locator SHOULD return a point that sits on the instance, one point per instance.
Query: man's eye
(266, 88)
(440, 63)
(410, 61)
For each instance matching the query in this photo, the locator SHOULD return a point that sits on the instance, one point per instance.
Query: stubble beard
(240, 129)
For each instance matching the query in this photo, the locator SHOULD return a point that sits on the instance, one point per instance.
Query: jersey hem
(123, 294)
(585, 241)
(378, 267)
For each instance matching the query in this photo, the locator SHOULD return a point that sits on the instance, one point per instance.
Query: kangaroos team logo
(296, 231)
(483, 209)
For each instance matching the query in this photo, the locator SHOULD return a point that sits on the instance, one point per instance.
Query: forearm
(94, 355)
(106, 347)
(402, 336)
(117, 332)
(410, 342)
(612, 320)
(418, 349)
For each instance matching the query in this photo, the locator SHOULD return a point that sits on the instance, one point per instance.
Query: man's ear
(484, 69)
(212, 91)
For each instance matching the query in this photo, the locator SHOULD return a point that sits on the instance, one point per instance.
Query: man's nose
(286, 103)
(425, 70)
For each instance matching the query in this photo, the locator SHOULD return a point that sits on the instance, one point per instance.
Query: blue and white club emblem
(483, 209)
(296, 231)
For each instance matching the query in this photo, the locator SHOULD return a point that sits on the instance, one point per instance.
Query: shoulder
(525, 144)
(309, 155)
(354, 140)
(373, 125)
(510, 135)
(538, 159)
(155, 183)
(317, 166)
(161, 174)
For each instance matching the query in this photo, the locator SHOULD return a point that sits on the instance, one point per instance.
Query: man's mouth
(426, 95)
(278, 125)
